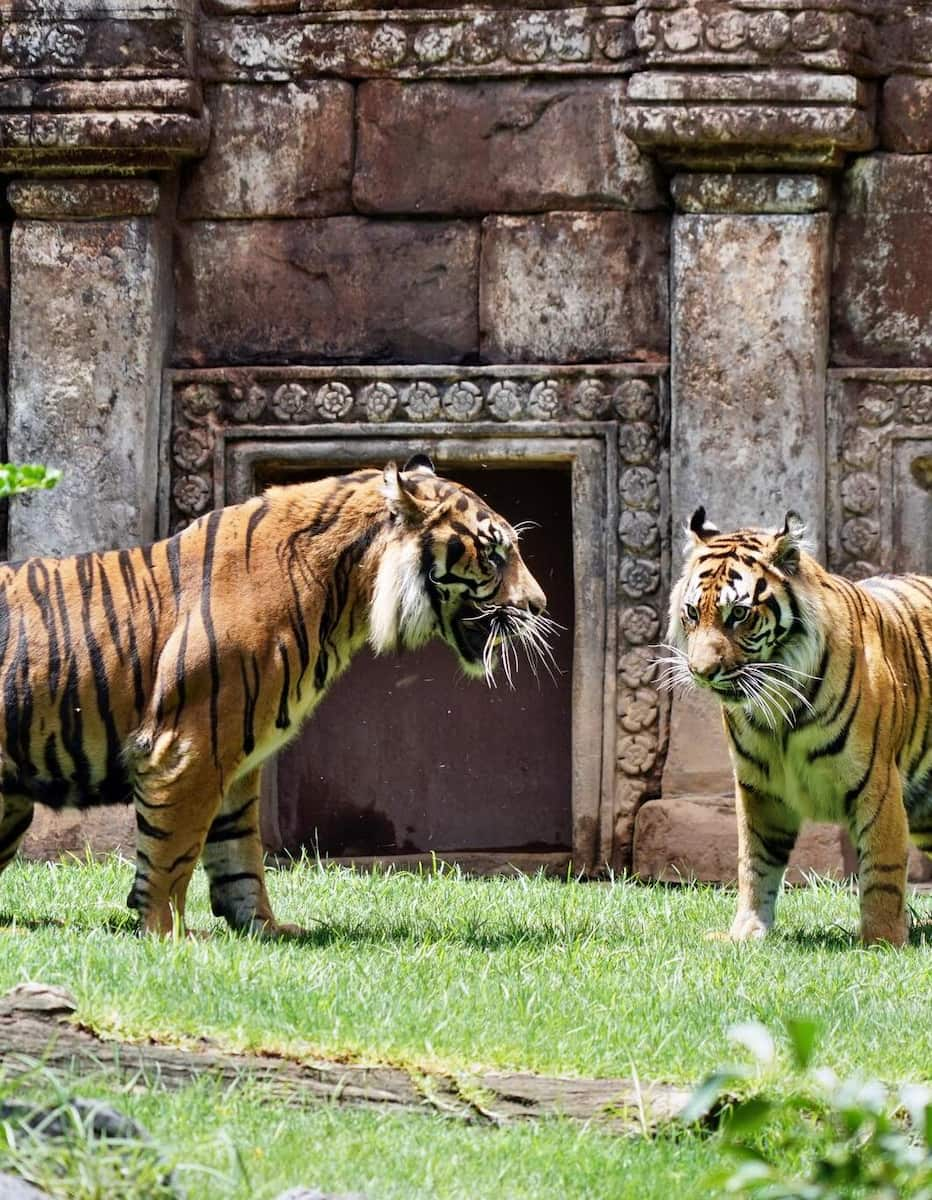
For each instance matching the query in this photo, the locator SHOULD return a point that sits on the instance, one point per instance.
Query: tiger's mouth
(489, 635)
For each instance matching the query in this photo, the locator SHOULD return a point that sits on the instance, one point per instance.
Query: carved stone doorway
(409, 757)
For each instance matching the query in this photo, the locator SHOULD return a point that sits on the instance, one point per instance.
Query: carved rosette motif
(431, 43)
(790, 33)
(419, 44)
(870, 410)
(247, 402)
(641, 707)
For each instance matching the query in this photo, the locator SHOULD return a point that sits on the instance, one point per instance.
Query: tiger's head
(742, 620)
(452, 569)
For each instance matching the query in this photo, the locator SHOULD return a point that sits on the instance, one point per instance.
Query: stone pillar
(87, 343)
(750, 277)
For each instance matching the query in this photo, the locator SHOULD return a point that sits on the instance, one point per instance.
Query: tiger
(824, 686)
(165, 676)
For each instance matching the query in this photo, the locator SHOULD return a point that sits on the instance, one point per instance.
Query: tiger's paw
(748, 927)
(274, 931)
(893, 934)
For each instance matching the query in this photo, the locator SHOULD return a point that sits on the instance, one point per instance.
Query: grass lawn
(436, 971)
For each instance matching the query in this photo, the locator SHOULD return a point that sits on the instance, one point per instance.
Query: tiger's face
(739, 620)
(453, 570)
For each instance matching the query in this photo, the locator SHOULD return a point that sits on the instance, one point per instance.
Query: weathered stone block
(679, 840)
(282, 150)
(339, 289)
(497, 147)
(882, 286)
(574, 287)
(906, 114)
(86, 347)
(750, 321)
(750, 327)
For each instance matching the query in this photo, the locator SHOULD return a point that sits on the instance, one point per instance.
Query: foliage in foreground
(63, 1147)
(858, 1137)
(26, 477)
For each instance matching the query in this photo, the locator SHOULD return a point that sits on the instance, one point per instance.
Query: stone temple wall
(692, 233)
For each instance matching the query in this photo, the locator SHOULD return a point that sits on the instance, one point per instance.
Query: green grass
(434, 970)
(229, 1144)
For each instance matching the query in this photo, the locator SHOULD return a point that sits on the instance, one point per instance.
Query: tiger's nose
(536, 601)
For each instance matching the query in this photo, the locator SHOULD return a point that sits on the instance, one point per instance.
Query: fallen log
(37, 1025)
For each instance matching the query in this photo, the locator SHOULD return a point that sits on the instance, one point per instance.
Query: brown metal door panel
(406, 755)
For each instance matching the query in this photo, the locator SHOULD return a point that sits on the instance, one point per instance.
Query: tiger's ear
(400, 501)
(417, 462)
(789, 543)
(700, 530)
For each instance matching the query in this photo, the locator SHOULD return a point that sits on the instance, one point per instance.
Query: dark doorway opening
(406, 756)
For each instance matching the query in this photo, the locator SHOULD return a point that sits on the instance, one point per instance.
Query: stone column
(89, 270)
(87, 343)
(750, 278)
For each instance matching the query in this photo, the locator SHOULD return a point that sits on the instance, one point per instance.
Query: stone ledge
(83, 199)
(716, 135)
(101, 140)
(736, 193)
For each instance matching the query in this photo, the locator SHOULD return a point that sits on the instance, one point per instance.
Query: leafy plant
(858, 1137)
(26, 477)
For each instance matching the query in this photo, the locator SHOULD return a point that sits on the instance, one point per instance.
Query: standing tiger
(167, 675)
(825, 689)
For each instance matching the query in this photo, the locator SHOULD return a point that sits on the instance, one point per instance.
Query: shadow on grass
(113, 922)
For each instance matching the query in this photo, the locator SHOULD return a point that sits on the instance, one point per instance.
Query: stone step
(687, 838)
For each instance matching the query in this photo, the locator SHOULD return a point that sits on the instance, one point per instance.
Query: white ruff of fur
(400, 614)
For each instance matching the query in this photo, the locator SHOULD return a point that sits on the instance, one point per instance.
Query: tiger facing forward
(825, 689)
(166, 675)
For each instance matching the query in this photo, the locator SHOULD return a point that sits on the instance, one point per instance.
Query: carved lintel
(421, 43)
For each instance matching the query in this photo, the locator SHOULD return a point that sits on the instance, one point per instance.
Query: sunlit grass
(439, 972)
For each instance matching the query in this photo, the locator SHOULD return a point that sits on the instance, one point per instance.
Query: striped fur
(166, 675)
(825, 689)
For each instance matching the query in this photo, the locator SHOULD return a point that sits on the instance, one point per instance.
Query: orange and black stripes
(165, 675)
(826, 687)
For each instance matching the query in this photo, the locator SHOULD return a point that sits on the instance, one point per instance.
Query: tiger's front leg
(880, 830)
(767, 831)
(233, 859)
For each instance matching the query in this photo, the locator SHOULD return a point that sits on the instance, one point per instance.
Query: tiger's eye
(739, 613)
(692, 613)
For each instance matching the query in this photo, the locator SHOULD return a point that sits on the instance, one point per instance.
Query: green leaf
(747, 1116)
(756, 1038)
(16, 478)
(803, 1034)
(703, 1099)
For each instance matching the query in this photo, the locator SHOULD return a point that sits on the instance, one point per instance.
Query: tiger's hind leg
(233, 859)
(880, 831)
(15, 818)
(176, 793)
